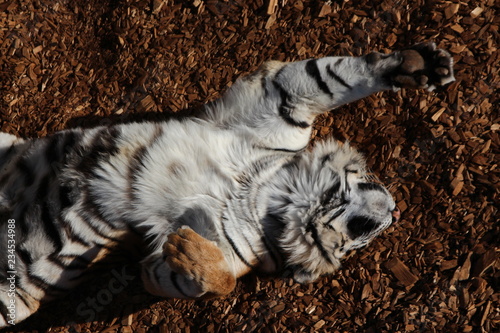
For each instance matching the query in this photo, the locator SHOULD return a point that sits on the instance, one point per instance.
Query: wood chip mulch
(86, 62)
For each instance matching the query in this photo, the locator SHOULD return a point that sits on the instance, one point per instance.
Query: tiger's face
(334, 207)
(368, 210)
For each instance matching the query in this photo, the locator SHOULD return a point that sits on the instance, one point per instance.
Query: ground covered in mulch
(86, 62)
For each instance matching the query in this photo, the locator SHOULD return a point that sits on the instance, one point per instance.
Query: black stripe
(337, 78)
(66, 198)
(71, 234)
(70, 139)
(326, 158)
(292, 166)
(284, 150)
(173, 277)
(327, 196)
(3, 270)
(235, 248)
(91, 211)
(339, 212)
(56, 261)
(107, 143)
(6, 155)
(314, 233)
(76, 258)
(88, 213)
(50, 227)
(4, 311)
(21, 297)
(75, 238)
(333, 217)
(272, 250)
(49, 214)
(103, 146)
(4, 178)
(52, 149)
(74, 265)
(26, 171)
(58, 146)
(24, 226)
(313, 70)
(285, 109)
(263, 83)
(274, 228)
(36, 281)
(44, 285)
(371, 187)
(89, 218)
(12, 153)
(25, 256)
(346, 183)
(135, 164)
(136, 161)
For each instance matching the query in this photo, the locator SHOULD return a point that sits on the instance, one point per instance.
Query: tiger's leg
(320, 85)
(189, 267)
(280, 101)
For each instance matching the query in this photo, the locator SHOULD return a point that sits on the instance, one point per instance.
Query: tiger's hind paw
(423, 66)
(199, 260)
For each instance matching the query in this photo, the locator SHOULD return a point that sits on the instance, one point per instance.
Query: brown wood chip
(83, 62)
(401, 272)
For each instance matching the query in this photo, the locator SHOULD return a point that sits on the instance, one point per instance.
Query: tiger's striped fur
(210, 198)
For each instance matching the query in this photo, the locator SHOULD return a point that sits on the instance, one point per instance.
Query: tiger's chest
(162, 169)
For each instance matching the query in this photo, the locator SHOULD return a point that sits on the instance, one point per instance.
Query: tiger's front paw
(423, 66)
(199, 260)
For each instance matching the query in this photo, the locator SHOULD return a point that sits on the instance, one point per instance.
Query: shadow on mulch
(91, 121)
(115, 294)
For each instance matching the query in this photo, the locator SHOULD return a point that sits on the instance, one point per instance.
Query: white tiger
(211, 198)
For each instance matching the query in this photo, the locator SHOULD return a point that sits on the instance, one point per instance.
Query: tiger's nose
(396, 215)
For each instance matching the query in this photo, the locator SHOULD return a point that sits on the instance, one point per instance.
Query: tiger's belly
(203, 183)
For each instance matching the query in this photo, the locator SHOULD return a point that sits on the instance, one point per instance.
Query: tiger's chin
(306, 260)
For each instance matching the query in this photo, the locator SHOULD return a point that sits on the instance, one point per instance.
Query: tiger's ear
(303, 276)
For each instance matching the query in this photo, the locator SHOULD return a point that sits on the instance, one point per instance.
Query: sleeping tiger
(209, 198)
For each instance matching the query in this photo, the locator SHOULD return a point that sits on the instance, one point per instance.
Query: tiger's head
(328, 206)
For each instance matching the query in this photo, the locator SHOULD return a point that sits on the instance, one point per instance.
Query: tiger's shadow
(114, 294)
(90, 121)
(109, 299)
